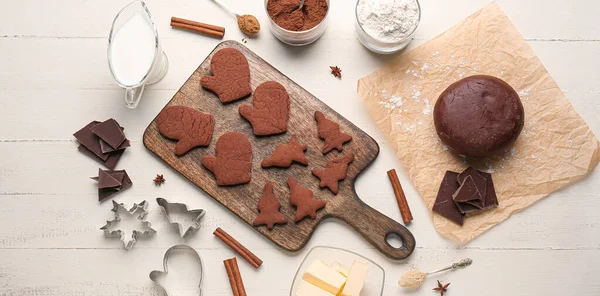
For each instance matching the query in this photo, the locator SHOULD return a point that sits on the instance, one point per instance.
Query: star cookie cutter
(181, 208)
(156, 274)
(141, 210)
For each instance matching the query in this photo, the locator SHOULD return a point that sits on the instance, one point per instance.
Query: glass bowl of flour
(387, 26)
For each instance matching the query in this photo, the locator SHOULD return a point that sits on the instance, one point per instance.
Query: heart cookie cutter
(141, 210)
(181, 208)
(155, 274)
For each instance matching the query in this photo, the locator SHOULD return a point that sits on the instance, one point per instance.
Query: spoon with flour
(415, 278)
(247, 23)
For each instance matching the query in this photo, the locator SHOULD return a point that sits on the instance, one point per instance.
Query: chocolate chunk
(110, 162)
(491, 200)
(467, 198)
(444, 204)
(479, 180)
(105, 147)
(110, 132)
(87, 138)
(111, 183)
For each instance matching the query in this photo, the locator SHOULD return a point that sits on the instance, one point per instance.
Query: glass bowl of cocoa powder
(295, 26)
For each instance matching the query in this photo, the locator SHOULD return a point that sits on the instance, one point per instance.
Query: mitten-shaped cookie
(232, 162)
(270, 111)
(191, 127)
(302, 198)
(285, 154)
(330, 132)
(231, 80)
(335, 171)
(269, 207)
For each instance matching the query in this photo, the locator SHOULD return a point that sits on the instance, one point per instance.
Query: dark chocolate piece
(111, 183)
(467, 198)
(110, 162)
(491, 200)
(110, 132)
(444, 205)
(87, 138)
(105, 147)
(479, 180)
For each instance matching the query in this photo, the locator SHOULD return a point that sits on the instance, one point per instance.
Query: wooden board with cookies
(310, 122)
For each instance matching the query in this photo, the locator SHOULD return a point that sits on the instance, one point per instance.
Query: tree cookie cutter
(181, 208)
(156, 274)
(139, 209)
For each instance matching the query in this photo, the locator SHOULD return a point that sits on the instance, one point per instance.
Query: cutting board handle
(376, 228)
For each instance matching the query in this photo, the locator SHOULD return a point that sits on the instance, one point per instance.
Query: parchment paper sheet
(555, 148)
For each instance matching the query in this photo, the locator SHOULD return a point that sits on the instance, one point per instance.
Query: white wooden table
(54, 79)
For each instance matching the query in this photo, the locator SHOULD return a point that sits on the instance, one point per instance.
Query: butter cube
(307, 289)
(340, 268)
(324, 277)
(356, 279)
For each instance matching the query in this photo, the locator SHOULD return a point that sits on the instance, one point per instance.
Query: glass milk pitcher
(135, 56)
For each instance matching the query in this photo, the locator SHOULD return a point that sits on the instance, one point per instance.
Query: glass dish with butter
(327, 271)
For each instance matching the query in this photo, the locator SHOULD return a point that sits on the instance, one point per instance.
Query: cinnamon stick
(200, 30)
(400, 197)
(197, 24)
(238, 247)
(235, 278)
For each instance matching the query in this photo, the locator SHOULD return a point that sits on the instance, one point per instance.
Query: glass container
(375, 275)
(299, 38)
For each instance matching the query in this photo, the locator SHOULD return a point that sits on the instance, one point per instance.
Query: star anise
(336, 71)
(442, 288)
(159, 180)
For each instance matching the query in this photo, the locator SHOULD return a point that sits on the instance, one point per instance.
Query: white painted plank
(571, 20)
(37, 86)
(116, 272)
(71, 210)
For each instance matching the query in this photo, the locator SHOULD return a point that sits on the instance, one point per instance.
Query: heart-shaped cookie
(191, 127)
(231, 75)
(270, 111)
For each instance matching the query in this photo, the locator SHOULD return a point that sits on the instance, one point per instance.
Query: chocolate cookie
(302, 198)
(231, 80)
(330, 132)
(269, 207)
(270, 111)
(285, 154)
(233, 161)
(335, 171)
(191, 127)
(479, 116)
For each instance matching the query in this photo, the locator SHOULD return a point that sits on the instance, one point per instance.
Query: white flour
(388, 20)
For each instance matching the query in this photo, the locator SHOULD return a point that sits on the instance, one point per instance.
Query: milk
(132, 50)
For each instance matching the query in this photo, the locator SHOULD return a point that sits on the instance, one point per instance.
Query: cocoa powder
(286, 14)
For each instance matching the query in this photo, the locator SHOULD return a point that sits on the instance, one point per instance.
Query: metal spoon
(301, 4)
(415, 278)
(247, 23)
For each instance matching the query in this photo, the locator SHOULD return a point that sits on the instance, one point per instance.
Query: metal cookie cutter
(156, 274)
(141, 211)
(181, 208)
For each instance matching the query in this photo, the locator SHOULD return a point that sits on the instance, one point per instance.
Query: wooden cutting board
(243, 199)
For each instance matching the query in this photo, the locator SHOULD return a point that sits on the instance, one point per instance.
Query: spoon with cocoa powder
(247, 23)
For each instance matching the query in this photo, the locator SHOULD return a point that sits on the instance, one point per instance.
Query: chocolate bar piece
(111, 183)
(491, 200)
(479, 180)
(87, 138)
(467, 198)
(444, 204)
(110, 132)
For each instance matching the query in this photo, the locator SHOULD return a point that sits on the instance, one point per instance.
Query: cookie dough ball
(479, 116)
